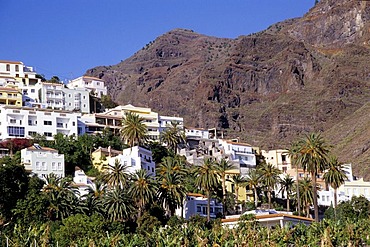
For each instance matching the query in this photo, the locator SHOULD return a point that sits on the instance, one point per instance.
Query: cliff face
(268, 88)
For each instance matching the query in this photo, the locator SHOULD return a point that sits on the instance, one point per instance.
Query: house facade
(43, 161)
(25, 122)
(279, 158)
(136, 158)
(196, 204)
(94, 85)
(101, 156)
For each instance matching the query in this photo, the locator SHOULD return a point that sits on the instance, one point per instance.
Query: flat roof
(12, 62)
(270, 216)
(238, 143)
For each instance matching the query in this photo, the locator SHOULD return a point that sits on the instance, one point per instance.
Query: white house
(240, 153)
(196, 204)
(196, 133)
(136, 158)
(82, 182)
(26, 122)
(43, 161)
(94, 85)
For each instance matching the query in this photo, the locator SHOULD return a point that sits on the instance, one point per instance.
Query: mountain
(268, 88)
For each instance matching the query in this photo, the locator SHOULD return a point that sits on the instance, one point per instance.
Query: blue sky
(67, 37)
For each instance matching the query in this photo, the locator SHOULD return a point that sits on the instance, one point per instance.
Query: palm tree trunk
(209, 206)
(315, 206)
(223, 195)
(298, 199)
(287, 202)
(335, 198)
(308, 210)
(237, 197)
(269, 197)
(255, 197)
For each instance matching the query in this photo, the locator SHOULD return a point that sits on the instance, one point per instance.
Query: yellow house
(10, 96)
(243, 193)
(101, 157)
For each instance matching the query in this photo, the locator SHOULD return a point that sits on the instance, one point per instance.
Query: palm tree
(306, 194)
(134, 131)
(172, 191)
(269, 177)
(61, 196)
(238, 182)
(253, 180)
(143, 189)
(173, 136)
(222, 167)
(294, 153)
(117, 204)
(313, 156)
(170, 165)
(207, 179)
(335, 176)
(115, 175)
(286, 184)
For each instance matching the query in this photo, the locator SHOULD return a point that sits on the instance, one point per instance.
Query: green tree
(107, 102)
(313, 157)
(134, 131)
(207, 179)
(173, 136)
(286, 185)
(13, 187)
(306, 194)
(222, 167)
(335, 175)
(269, 178)
(253, 181)
(143, 188)
(116, 174)
(118, 205)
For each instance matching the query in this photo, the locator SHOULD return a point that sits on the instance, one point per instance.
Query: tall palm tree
(269, 177)
(306, 194)
(134, 131)
(253, 180)
(207, 179)
(115, 175)
(313, 156)
(170, 165)
(335, 176)
(294, 153)
(143, 188)
(172, 191)
(222, 167)
(286, 184)
(173, 136)
(238, 182)
(117, 204)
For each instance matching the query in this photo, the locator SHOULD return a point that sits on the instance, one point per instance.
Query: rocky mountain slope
(269, 88)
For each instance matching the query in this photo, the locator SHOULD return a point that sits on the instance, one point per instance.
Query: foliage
(173, 136)
(134, 131)
(107, 102)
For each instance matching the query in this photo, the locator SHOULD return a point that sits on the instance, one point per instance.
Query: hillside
(269, 88)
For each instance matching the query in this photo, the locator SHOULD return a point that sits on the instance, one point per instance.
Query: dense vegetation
(124, 209)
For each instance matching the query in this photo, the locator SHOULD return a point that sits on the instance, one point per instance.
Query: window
(13, 121)
(16, 131)
(47, 122)
(60, 166)
(199, 209)
(17, 67)
(32, 90)
(125, 163)
(74, 123)
(48, 134)
(53, 166)
(31, 133)
(8, 67)
(38, 167)
(323, 198)
(98, 83)
(84, 97)
(69, 95)
(44, 167)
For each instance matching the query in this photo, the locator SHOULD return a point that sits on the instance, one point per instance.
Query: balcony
(61, 125)
(242, 151)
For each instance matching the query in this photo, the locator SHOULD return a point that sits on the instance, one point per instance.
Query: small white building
(136, 158)
(196, 204)
(94, 85)
(241, 154)
(26, 122)
(196, 133)
(82, 182)
(43, 161)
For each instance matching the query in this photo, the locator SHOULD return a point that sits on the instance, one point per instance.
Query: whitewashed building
(26, 122)
(82, 182)
(196, 204)
(196, 133)
(43, 161)
(136, 158)
(94, 85)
